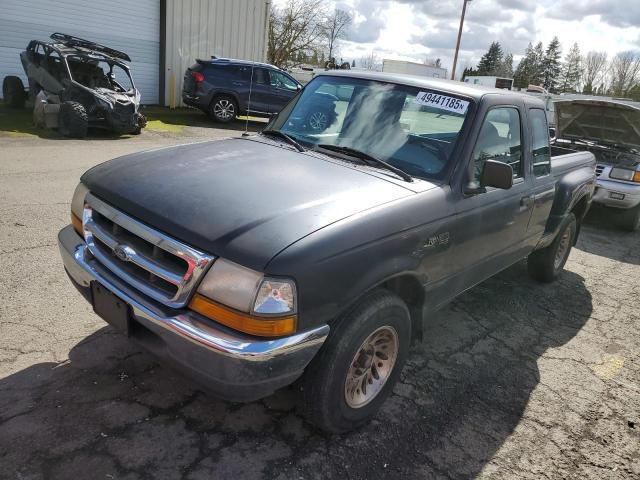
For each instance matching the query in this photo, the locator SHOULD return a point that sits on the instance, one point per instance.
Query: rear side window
(540, 139)
(499, 140)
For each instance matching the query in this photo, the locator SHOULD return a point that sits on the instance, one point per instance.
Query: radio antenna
(246, 122)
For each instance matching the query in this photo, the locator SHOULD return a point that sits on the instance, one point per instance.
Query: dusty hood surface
(602, 121)
(240, 199)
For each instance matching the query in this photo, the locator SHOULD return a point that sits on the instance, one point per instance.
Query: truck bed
(564, 159)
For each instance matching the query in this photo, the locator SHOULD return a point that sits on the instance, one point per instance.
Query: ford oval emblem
(120, 251)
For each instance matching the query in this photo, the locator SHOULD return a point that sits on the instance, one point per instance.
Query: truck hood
(242, 199)
(608, 122)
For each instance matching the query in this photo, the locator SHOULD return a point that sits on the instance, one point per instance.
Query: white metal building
(162, 37)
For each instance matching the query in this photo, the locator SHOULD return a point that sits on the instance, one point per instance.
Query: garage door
(130, 26)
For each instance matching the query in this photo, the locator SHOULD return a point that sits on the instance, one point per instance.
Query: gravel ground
(514, 380)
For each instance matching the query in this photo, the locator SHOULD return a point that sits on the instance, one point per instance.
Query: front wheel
(347, 382)
(223, 109)
(73, 120)
(546, 264)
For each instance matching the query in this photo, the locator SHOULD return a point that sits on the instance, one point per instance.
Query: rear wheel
(347, 382)
(318, 120)
(72, 120)
(546, 264)
(13, 92)
(630, 219)
(223, 109)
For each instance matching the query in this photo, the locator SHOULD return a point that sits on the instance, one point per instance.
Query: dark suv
(221, 88)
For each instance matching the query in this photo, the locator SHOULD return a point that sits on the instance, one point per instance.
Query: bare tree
(370, 61)
(295, 28)
(594, 70)
(335, 28)
(625, 72)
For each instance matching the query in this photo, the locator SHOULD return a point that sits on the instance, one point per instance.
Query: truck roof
(475, 92)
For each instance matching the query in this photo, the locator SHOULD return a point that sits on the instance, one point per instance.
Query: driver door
(283, 89)
(491, 226)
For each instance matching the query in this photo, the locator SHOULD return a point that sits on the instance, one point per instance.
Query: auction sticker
(450, 104)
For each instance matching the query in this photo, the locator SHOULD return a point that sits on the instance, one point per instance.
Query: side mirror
(497, 175)
(299, 87)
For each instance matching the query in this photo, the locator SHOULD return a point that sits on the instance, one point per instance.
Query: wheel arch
(409, 289)
(579, 210)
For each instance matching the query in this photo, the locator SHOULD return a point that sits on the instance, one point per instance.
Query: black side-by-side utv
(76, 84)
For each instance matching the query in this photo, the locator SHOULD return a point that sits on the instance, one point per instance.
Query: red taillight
(199, 77)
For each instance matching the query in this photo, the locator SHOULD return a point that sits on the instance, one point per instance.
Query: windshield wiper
(285, 137)
(368, 159)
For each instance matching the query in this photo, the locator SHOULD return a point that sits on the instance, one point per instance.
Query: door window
(540, 138)
(260, 76)
(280, 80)
(499, 140)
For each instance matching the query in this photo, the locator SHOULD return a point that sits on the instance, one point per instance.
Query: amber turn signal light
(77, 224)
(262, 327)
(636, 177)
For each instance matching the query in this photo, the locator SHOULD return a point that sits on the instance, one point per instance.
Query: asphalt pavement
(514, 379)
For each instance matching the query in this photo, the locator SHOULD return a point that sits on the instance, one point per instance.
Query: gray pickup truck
(318, 256)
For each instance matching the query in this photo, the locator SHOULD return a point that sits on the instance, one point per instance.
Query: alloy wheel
(371, 367)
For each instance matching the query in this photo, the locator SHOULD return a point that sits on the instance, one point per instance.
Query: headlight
(624, 174)
(246, 300)
(77, 207)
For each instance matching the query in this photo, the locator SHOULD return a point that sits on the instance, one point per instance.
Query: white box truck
(412, 68)
(488, 81)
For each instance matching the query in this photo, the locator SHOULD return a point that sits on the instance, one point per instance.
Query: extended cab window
(540, 138)
(499, 140)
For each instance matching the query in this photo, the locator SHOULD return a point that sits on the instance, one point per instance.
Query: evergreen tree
(523, 74)
(537, 73)
(491, 61)
(571, 70)
(551, 66)
(506, 68)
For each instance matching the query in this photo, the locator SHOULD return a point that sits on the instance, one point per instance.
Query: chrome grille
(599, 170)
(159, 266)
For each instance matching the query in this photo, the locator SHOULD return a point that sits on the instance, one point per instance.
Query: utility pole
(455, 57)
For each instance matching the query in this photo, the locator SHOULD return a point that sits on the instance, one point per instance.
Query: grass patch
(16, 122)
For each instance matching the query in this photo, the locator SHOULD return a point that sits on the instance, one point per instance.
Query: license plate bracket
(111, 308)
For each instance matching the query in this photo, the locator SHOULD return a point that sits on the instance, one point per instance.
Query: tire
(326, 400)
(13, 92)
(223, 109)
(545, 265)
(141, 123)
(72, 120)
(630, 219)
(318, 120)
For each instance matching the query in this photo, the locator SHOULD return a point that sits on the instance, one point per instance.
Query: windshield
(99, 74)
(411, 128)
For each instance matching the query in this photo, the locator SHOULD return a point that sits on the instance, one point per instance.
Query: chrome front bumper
(232, 365)
(608, 193)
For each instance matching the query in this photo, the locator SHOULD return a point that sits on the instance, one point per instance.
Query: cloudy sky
(417, 29)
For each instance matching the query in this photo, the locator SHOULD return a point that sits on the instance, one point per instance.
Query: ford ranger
(317, 256)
